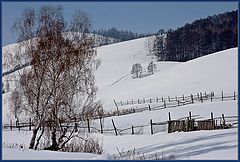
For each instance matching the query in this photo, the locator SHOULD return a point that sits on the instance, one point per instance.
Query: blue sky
(141, 17)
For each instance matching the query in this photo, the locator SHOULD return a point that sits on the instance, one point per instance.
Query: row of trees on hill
(202, 37)
(121, 35)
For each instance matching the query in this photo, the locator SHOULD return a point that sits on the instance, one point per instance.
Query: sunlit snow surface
(215, 72)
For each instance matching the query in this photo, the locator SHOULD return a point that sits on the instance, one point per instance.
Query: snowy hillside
(215, 72)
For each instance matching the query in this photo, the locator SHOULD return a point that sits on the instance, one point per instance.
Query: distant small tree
(136, 70)
(151, 67)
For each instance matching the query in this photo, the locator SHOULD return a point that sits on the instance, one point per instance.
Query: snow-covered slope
(215, 72)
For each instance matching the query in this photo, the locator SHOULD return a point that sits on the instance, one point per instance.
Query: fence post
(11, 125)
(176, 98)
(30, 123)
(88, 124)
(18, 125)
(183, 97)
(211, 96)
(178, 102)
(192, 98)
(201, 97)
(149, 108)
(151, 123)
(234, 96)
(164, 104)
(101, 124)
(198, 95)
(169, 123)
(133, 110)
(115, 129)
(157, 99)
(132, 130)
(162, 99)
(169, 116)
(116, 106)
(190, 115)
(143, 100)
(16, 122)
(222, 95)
(169, 99)
(138, 101)
(224, 122)
(212, 120)
(121, 103)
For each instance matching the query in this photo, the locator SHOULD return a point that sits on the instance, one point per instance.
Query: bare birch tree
(59, 85)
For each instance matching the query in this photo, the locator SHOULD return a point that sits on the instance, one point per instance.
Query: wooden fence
(170, 102)
(189, 123)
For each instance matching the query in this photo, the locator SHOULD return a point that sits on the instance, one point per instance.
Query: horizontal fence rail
(150, 128)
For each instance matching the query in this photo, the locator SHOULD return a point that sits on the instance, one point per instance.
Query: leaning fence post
(116, 106)
(149, 108)
(164, 104)
(115, 129)
(234, 96)
(132, 130)
(151, 124)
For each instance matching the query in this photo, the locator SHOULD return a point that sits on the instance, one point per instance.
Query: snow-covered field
(216, 72)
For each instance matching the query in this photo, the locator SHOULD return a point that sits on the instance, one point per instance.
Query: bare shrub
(134, 155)
(89, 144)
